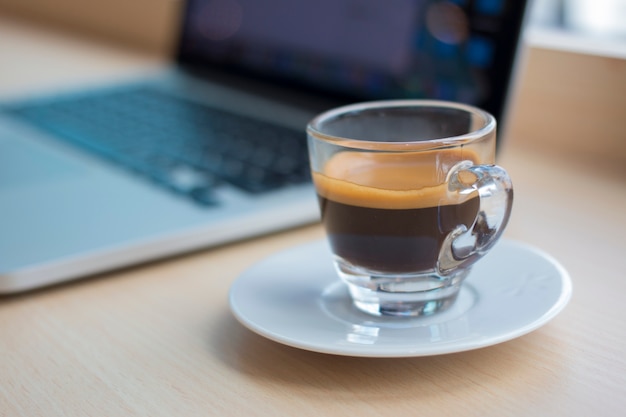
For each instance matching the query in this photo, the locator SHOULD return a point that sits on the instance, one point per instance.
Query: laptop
(213, 148)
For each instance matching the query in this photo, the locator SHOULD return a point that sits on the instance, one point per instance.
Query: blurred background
(151, 24)
(575, 56)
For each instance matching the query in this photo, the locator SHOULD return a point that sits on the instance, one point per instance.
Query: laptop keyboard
(186, 147)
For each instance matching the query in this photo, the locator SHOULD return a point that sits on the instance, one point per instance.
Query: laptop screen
(460, 50)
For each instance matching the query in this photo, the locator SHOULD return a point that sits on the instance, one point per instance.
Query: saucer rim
(406, 350)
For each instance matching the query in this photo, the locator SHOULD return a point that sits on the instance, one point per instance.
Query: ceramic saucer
(294, 297)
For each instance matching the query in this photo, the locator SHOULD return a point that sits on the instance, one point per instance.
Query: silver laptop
(213, 149)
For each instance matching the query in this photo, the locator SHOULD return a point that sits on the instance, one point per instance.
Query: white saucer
(295, 297)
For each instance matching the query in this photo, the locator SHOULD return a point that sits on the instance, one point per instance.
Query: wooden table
(159, 339)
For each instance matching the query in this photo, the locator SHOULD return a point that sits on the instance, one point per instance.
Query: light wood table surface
(159, 339)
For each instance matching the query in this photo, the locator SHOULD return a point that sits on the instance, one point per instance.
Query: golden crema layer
(391, 181)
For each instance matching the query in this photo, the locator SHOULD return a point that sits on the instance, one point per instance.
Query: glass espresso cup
(410, 199)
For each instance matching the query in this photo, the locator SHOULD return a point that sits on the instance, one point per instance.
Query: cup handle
(464, 246)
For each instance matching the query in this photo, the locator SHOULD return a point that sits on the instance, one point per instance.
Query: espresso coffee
(391, 213)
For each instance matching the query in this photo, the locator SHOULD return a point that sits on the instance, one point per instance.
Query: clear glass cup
(410, 199)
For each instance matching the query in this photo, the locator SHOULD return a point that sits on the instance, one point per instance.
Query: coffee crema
(392, 212)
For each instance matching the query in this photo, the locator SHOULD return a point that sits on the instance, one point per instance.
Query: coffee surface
(391, 181)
